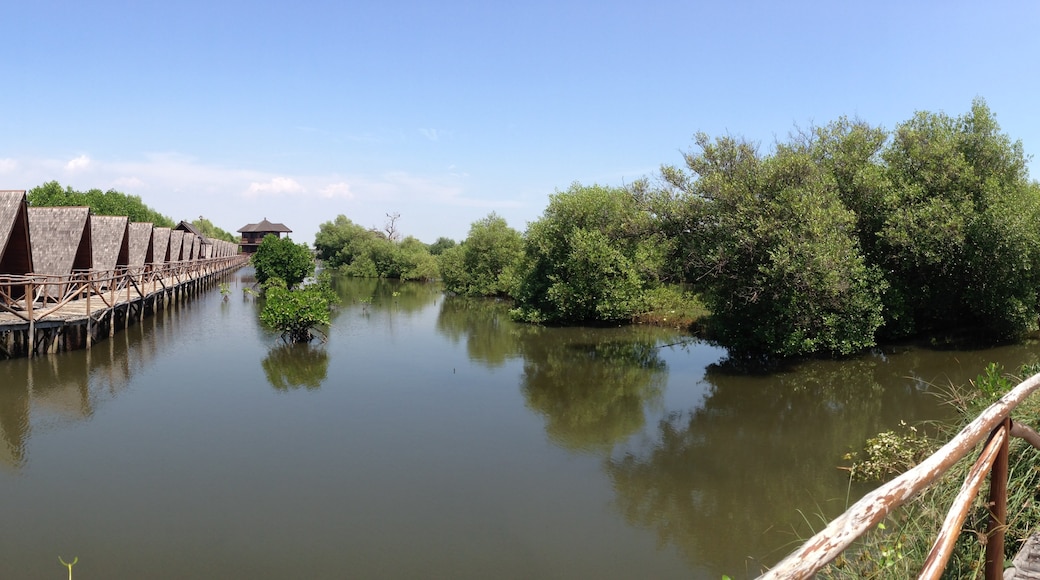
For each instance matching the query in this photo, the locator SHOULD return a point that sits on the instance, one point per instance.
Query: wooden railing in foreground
(993, 426)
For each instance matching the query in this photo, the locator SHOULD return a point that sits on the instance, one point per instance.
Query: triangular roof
(15, 254)
(109, 241)
(176, 239)
(60, 239)
(161, 245)
(140, 244)
(188, 227)
(188, 253)
(265, 226)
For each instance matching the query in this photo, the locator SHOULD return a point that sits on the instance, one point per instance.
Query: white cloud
(7, 165)
(340, 189)
(276, 186)
(430, 134)
(128, 184)
(81, 162)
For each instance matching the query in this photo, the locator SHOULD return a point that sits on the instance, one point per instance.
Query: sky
(444, 111)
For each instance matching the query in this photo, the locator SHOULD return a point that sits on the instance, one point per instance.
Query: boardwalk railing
(86, 297)
(992, 426)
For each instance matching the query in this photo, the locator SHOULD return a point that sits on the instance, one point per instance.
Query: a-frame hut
(188, 253)
(15, 254)
(160, 246)
(110, 242)
(141, 246)
(202, 244)
(60, 243)
(176, 241)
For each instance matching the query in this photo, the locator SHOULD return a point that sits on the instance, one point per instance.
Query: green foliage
(437, 248)
(284, 259)
(296, 312)
(959, 235)
(483, 264)
(774, 252)
(890, 453)
(364, 253)
(846, 233)
(589, 258)
(109, 202)
(211, 231)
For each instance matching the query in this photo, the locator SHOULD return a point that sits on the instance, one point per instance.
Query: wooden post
(998, 480)
(30, 298)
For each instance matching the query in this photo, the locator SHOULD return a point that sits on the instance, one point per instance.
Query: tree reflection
(491, 337)
(381, 294)
(592, 388)
(291, 366)
(720, 480)
(14, 413)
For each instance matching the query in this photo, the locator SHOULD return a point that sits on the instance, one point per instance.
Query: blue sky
(446, 111)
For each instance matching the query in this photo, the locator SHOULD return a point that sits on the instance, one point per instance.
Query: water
(430, 437)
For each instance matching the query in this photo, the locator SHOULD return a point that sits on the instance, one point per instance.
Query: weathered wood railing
(34, 297)
(993, 426)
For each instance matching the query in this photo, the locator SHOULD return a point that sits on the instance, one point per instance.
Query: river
(431, 437)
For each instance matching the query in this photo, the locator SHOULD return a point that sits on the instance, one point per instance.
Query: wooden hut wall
(176, 241)
(15, 257)
(161, 245)
(140, 244)
(110, 241)
(188, 253)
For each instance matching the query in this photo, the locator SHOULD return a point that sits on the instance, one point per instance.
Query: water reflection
(592, 390)
(61, 389)
(757, 446)
(372, 294)
(491, 337)
(292, 366)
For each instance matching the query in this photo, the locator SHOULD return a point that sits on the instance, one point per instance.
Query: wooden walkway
(41, 314)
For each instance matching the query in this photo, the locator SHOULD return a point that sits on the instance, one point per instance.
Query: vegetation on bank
(899, 546)
(838, 238)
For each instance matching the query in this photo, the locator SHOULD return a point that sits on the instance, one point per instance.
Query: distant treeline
(112, 202)
(842, 236)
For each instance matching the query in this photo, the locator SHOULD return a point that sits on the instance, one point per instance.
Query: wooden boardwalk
(42, 314)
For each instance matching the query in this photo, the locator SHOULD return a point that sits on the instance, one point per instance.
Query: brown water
(430, 438)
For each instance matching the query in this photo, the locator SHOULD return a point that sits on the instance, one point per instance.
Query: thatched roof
(196, 248)
(161, 245)
(265, 227)
(188, 252)
(140, 244)
(15, 257)
(60, 238)
(109, 241)
(176, 241)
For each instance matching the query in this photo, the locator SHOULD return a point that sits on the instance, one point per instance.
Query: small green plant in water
(69, 565)
(889, 453)
(992, 383)
(225, 290)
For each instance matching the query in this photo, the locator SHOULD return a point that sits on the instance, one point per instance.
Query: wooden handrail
(870, 510)
(44, 295)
